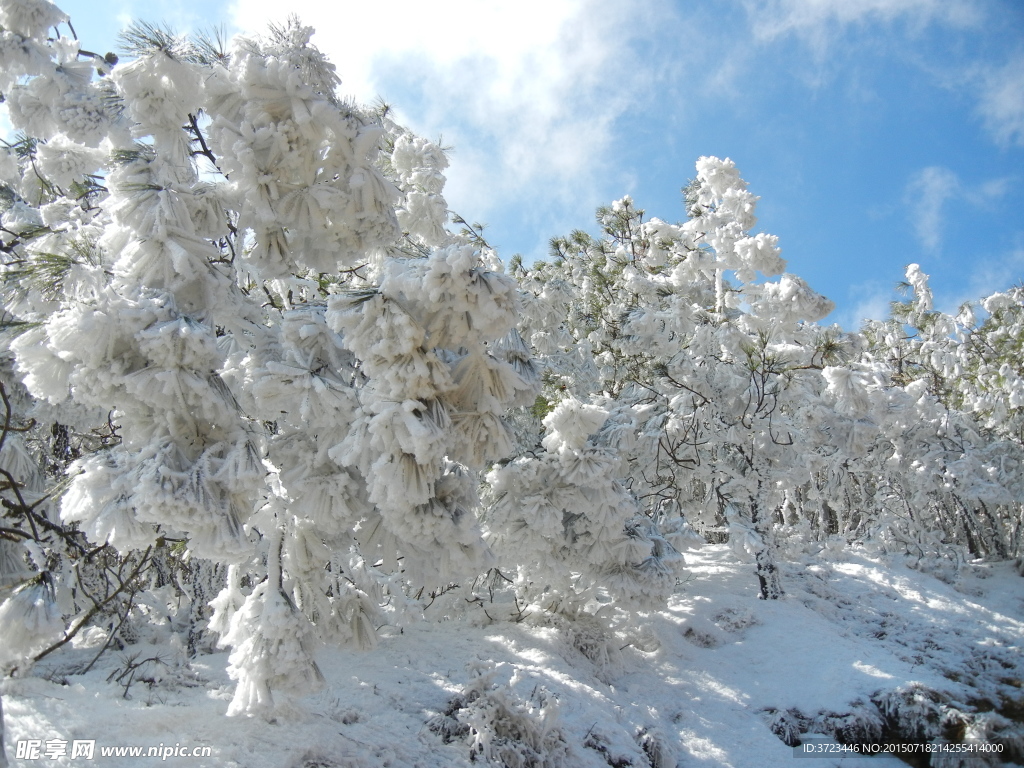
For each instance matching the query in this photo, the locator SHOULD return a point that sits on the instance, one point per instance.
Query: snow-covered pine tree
(956, 460)
(571, 528)
(707, 382)
(250, 280)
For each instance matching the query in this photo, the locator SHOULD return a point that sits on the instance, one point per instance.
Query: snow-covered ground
(698, 685)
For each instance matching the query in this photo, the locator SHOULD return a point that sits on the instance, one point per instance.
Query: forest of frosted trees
(252, 361)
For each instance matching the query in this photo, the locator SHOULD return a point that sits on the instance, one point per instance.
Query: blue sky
(877, 132)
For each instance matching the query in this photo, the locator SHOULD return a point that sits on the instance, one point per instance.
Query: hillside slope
(700, 684)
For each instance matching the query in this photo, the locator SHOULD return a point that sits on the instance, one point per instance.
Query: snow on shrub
(500, 727)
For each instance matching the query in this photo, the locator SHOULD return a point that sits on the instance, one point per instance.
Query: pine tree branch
(70, 634)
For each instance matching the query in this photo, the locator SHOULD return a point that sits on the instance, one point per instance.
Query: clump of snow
(29, 621)
(570, 423)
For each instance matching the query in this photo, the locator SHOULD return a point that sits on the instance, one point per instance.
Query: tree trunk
(767, 570)
(768, 574)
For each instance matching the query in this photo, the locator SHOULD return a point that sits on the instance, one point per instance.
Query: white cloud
(818, 20)
(991, 275)
(989, 190)
(870, 301)
(927, 194)
(931, 188)
(997, 87)
(1002, 100)
(527, 91)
